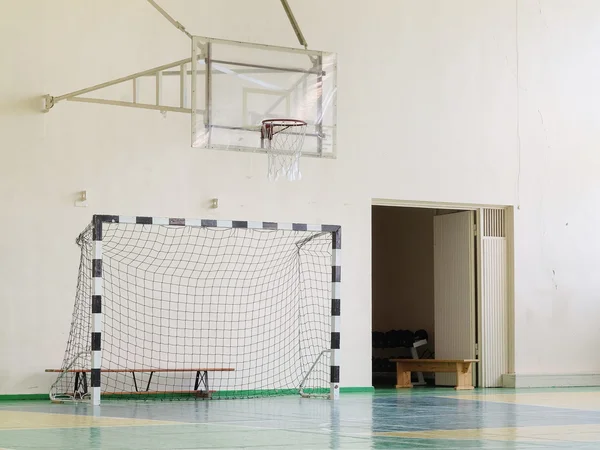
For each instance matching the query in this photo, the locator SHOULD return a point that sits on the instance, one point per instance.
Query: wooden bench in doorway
(201, 381)
(462, 368)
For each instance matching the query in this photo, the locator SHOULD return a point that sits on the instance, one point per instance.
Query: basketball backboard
(229, 88)
(236, 85)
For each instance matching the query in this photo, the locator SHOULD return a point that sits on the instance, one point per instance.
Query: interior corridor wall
(402, 270)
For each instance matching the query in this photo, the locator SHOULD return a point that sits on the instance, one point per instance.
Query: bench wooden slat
(191, 392)
(81, 386)
(213, 369)
(438, 367)
(433, 361)
(461, 367)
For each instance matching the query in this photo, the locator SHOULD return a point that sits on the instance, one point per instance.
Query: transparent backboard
(238, 85)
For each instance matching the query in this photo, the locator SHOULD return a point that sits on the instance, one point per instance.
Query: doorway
(440, 291)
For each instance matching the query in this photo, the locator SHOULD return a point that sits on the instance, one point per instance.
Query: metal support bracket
(294, 23)
(155, 72)
(170, 19)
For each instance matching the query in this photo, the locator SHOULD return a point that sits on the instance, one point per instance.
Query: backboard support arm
(169, 18)
(294, 23)
(286, 6)
(189, 77)
(50, 101)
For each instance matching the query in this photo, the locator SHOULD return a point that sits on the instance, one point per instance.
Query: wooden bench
(81, 382)
(462, 368)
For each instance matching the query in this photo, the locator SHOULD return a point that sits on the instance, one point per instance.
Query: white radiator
(493, 345)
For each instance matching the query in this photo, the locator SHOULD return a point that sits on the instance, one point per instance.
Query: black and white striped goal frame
(97, 284)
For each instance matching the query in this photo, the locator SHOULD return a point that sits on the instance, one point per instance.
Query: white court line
(324, 431)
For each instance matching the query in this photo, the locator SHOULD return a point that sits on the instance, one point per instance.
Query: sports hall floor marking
(571, 433)
(584, 401)
(18, 420)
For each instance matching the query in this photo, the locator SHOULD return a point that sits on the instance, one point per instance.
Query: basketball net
(283, 139)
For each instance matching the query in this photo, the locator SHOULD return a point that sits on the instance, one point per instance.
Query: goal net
(200, 311)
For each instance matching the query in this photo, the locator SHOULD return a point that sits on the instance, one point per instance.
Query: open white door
(454, 289)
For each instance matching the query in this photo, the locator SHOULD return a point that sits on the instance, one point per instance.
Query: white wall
(427, 111)
(133, 162)
(558, 252)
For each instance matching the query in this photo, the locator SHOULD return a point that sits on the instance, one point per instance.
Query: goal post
(189, 308)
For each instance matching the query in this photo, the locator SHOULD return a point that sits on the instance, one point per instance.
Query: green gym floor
(423, 418)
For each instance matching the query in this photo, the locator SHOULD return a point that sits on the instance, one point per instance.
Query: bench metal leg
(201, 378)
(147, 384)
(84, 383)
(149, 380)
(80, 382)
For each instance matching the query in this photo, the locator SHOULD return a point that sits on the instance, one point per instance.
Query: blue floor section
(418, 419)
(435, 413)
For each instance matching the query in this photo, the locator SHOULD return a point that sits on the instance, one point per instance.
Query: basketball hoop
(283, 139)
